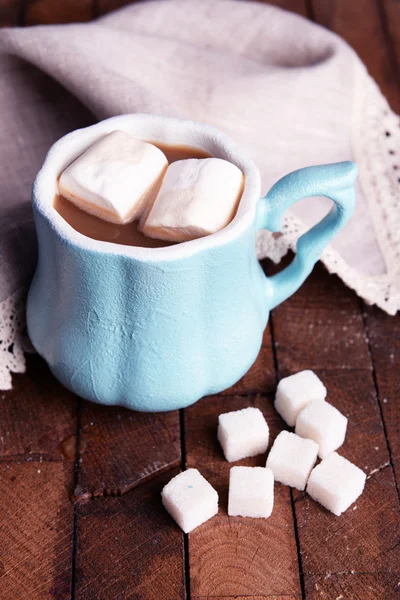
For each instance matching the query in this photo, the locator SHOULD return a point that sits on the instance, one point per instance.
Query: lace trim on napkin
(376, 139)
(13, 339)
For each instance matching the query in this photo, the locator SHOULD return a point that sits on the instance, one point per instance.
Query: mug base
(149, 403)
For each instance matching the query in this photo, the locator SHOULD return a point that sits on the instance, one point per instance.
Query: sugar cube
(115, 177)
(251, 492)
(243, 433)
(190, 499)
(292, 458)
(295, 392)
(336, 483)
(323, 423)
(197, 197)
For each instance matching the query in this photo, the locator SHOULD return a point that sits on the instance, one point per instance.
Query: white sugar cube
(295, 392)
(323, 423)
(115, 177)
(336, 483)
(243, 433)
(197, 197)
(190, 499)
(291, 459)
(251, 492)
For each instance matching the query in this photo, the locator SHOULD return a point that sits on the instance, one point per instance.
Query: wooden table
(80, 510)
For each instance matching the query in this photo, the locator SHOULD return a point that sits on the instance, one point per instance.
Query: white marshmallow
(243, 433)
(323, 423)
(291, 459)
(197, 197)
(336, 483)
(115, 178)
(251, 492)
(190, 499)
(295, 392)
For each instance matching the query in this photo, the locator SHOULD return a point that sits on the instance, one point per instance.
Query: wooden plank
(383, 332)
(106, 6)
(297, 6)
(320, 327)
(274, 597)
(360, 24)
(353, 586)
(365, 538)
(47, 12)
(36, 528)
(237, 556)
(390, 16)
(9, 13)
(38, 417)
(260, 379)
(37, 454)
(129, 547)
(348, 544)
(120, 449)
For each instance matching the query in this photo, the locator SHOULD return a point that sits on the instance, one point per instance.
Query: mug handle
(334, 181)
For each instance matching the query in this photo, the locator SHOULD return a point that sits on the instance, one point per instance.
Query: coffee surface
(128, 234)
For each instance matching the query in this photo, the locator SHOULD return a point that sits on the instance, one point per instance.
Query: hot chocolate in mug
(155, 329)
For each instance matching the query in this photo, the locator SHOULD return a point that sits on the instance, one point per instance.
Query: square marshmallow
(197, 197)
(336, 483)
(190, 499)
(295, 392)
(291, 459)
(243, 433)
(115, 177)
(251, 492)
(323, 423)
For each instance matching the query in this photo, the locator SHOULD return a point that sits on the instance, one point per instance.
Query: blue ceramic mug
(155, 329)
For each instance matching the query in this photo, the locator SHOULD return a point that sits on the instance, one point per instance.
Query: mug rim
(177, 131)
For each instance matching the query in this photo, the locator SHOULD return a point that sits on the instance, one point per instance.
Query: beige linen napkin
(289, 91)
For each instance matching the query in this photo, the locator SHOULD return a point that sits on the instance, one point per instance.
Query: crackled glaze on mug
(156, 329)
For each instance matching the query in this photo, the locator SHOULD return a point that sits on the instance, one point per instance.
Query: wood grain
(38, 426)
(348, 544)
(360, 23)
(364, 539)
(273, 597)
(384, 338)
(232, 555)
(36, 528)
(9, 12)
(120, 449)
(129, 547)
(320, 327)
(47, 12)
(390, 16)
(106, 6)
(353, 586)
(69, 11)
(38, 417)
(297, 6)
